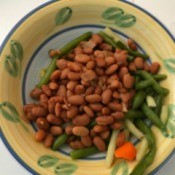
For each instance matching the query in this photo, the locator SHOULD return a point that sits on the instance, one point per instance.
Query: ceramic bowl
(25, 52)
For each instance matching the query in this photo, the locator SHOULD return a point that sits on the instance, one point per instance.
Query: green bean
(155, 85)
(143, 84)
(91, 124)
(137, 79)
(150, 155)
(60, 141)
(131, 114)
(130, 58)
(84, 152)
(107, 39)
(151, 115)
(150, 91)
(138, 99)
(63, 51)
(159, 103)
(131, 52)
(165, 91)
(160, 77)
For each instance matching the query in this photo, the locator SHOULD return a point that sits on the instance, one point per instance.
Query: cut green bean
(155, 85)
(151, 115)
(60, 141)
(137, 79)
(159, 103)
(149, 157)
(130, 58)
(131, 114)
(143, 84)
(84, 152)
(107, 39)
(91, 124)
(160, 77)
(138, 99)
(131, 52)
(63, 51)
(150, 91)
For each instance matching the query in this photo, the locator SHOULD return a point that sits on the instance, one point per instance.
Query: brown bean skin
(75, 100)
(74, 66)
(106, 96)
(90, 64)
(86, 140)
(35, 93)
(99, 71)
(76, 144)
(114, 106)
(53, 85)
(154, 68)
(56, 130)
(82, 58)
(88, 111)
(74, 76)
(121, 138)
(48, 141)
(104, 135)
(81, 120)
(55, 75)
(97, 38)
(69, 93)
(40, 135)
(105, 111)
(146, 66)
(99, 143)
(71, 85)
(96, 107)
(93, 98)
(78, 50)
(104, 120)
(72, 112)
(109, 60)
(46, 90)
(51, 118)
(122, 72)
(64, 73)
(42, 123)
(116, 125)
(80, 131)
(128, 81)
(118, 115)
(132, 67)
(100, 62)
(79, 89)
(111, 69)
(116, 95)
(57, 109)
(39, 111)
(100, 128)
(88, 75)
(61, 91)
(98, 90)
(89, 90)
(139, 62)
(61, 64)
(51, 107)
(69, 129)
(93, 133)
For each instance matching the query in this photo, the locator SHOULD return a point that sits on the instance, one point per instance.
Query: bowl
(25, 52)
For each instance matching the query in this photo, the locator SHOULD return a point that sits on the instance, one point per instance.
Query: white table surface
(11, 11)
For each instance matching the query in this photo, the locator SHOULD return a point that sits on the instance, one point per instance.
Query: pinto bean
(40, 135)
(39, 111)
(74, 76)
(75, 100)
(109, 60)
(71, 85)
(88, 111)
(42, 123)
(90, 64)
(77, 144)
(81, 120)
(128, 81)
(48, 141)
(61, 64)
(56, 130)
(111, 69)
(93, 98)
(74, 66)
(96, 107)
(46, 90)
(100, 62)
(99, 143)
(86, 140)
(36, 92)
(154, 68)
(88, 75)
(51, 118)
(79, 89)
(106, 96)
(72, 112)
(104, 120)
(80, 131)
(61, 91)
(55, 75)
(82, 58)
(139, 62)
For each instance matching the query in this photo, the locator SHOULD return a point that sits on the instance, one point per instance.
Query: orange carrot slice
(126, 151)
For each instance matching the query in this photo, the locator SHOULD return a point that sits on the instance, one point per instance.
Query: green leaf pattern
(48, 161)
(12, 62)
(120, 166)
(10, 113)
(63, 15)
(118, 17)
(170, 125)
(170, 65)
